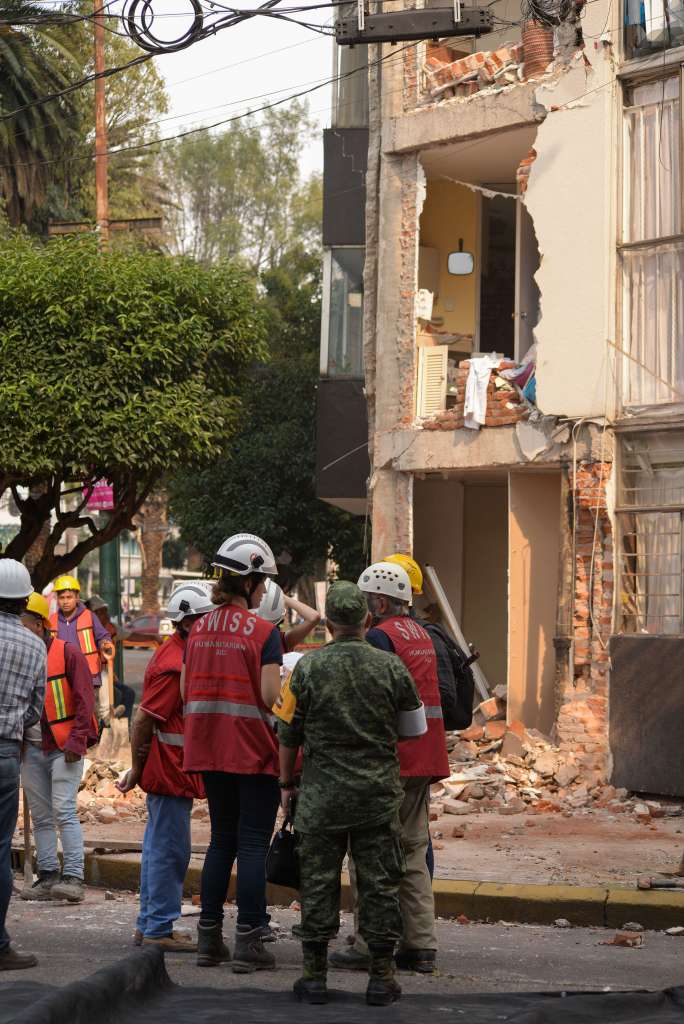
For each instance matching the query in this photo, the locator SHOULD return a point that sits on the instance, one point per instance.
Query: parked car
(147, 630)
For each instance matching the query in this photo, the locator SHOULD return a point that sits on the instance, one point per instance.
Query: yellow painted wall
(451, 212)
(533, 575)
(485, 576)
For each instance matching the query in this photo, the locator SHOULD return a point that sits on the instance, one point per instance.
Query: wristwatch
(286, 785)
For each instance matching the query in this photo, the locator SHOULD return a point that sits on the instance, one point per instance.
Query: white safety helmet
(244, 553)
(272, 604)
(386, 578)
(193, 598)
(15, 581)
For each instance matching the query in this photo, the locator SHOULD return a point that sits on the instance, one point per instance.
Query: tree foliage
(36, 60)
(135, 101)
(116, 365)
(265, 482)
(238, 192)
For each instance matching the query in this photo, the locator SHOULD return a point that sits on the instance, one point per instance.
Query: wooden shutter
(432, 380)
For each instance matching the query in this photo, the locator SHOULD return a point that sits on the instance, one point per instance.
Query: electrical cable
(218, 124)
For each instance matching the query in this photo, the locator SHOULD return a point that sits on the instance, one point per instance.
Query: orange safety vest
(59, 699)
(86, 638)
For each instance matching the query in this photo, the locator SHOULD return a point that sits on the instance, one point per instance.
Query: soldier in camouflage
(344, 705)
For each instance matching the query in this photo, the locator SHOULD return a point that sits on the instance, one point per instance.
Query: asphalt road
(135, 663)
(74, 941)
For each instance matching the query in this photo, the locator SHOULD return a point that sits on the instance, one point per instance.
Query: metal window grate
(651, 521)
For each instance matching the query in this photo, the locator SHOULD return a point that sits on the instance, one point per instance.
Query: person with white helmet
(23, 674)
(157, 748)
(273, 607)
(232, 679)
(387, 587)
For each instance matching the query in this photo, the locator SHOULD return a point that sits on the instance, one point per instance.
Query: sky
(240, 68)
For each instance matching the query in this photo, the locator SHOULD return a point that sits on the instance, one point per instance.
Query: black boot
(249, 953)
(311, 987)
(424, 961)
(211, 949)
(382, 988)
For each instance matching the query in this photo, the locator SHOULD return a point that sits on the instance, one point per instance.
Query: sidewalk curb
(590, 906)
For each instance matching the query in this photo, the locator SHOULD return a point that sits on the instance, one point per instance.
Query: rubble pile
(100, 802)
(490, 69)
(507, 769)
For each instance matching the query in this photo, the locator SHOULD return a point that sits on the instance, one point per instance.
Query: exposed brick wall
(582, 724)
(503, 407)
(410, 79)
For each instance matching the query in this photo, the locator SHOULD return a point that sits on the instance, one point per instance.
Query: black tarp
(138, 991)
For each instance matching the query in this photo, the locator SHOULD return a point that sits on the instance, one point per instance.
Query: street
(72, 942)
(135, 663)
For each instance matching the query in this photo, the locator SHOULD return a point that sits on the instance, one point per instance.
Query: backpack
(456, 689)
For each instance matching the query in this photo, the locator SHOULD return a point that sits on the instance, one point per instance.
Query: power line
(217, 124)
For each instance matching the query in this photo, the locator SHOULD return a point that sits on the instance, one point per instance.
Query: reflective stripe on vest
(59, 704)
(172, 739)
(86, 638)
(426, 756)
(433, 712)
(227, 726)
(226, 707)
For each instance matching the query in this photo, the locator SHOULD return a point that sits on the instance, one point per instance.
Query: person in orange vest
(232, 679)
(52, 765)
(157, 745)
(78, 625)
(387, 587)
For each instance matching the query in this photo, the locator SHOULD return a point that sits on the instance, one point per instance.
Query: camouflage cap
(345, 604)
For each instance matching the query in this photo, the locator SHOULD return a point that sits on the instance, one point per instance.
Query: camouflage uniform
(341, 706)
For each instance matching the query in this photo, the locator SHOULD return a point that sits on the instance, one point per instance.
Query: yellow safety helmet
(38, 606)
(411, 568)
(66, 583)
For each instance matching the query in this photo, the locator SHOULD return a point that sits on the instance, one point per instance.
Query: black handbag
(282, 859)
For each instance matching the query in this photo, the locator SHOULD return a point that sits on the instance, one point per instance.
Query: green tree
(265, 481)
(36, 60)
(136, 99)
(238, 192)
(116, 365)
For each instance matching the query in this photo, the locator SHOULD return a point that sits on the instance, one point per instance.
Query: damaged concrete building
(506, 324)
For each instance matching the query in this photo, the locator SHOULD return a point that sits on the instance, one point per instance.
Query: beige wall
(485, 572)
(450, 212)
(534, 536)
(438, 533)
(571, 197)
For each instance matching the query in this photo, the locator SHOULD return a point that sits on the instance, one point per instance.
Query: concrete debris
(523, 771)
(474, 72)
(678, 930)
(630, 939)
(632, 926)
(562, 922)
(99, 802)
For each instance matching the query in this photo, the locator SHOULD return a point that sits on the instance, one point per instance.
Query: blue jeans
(165, 859)
(51, 785)
(242, 809)
(10, 753)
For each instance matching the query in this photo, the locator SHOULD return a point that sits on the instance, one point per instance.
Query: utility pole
(110, 568)
(101, 184)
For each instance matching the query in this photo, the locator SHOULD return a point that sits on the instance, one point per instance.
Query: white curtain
(652, 556)
(653, 290)
(653, 324)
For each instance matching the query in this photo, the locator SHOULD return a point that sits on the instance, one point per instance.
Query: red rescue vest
(86, 638)
(427, 755)
(228, 728)
(59, 699)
